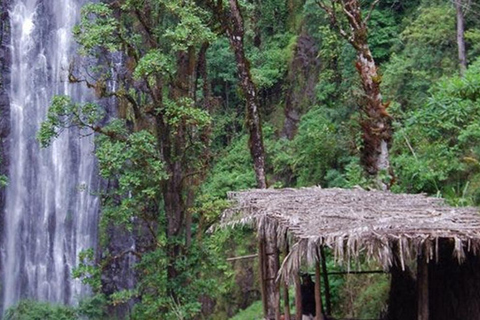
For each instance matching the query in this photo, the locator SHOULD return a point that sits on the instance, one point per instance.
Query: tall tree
(462, 55)
(235, 30)
(346, 16)
(159, 144)
(233, 22)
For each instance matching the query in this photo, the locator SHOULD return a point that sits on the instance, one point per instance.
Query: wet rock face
(4, 101)
(4, 72)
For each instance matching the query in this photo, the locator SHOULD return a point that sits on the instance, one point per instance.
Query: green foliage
(437, 148)
(428, 51)
(3, 181)
(190, 29)
(373, 297)
(88, 271)
(313, 151)
(154, 63)
(63, 114)
(472, 38)
(184, 111)
(93, 308)
(233, 171)
(434, 26)
(272, 17)
(98, 28)
(253, 312)
(33, 310)
(269, 63)
(383, 34)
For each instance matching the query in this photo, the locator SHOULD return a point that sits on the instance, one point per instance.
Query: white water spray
(50, 213)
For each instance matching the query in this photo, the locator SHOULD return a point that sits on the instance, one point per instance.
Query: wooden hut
(397, 230)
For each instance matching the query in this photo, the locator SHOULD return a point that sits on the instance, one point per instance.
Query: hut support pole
(286, 300)
(261, 266)
(326, 283)
(269, 271)
(422, 285)
(298, 298)
(318, 293)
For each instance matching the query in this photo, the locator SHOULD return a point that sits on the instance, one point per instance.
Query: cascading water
(50, 211)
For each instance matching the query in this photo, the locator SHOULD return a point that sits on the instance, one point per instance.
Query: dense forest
(212, 96)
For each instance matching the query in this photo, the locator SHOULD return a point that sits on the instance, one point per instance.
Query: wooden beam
(422, 287)
(357, 272)
(298, 298)
(250, 256)
(318, 293)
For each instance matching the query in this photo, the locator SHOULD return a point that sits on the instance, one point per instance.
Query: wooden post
(422, 287)
(269, 265)
(286, 300)
(326, 283)
(318, 292)
(272, 265)
(298, 298)
(261, 267)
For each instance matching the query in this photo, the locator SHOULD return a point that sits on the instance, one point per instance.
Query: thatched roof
(379, 224)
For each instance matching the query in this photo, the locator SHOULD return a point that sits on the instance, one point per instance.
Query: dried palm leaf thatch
(378, 224)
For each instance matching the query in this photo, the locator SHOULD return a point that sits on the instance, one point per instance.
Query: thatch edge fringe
(347, 246)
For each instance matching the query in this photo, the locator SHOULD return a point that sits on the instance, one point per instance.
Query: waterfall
(51, 213)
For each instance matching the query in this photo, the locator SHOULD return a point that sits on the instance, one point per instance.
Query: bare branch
(333, 18)
(372, 6)
(353, 20)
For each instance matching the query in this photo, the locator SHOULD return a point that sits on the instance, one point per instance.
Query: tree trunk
(267, 237)
(174, 210)
(173, 142)
(376, 125)
(462, 55)
(235, 34)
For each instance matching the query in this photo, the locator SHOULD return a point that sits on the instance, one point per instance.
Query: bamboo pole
(318, 293)
(298, 298)
(422, 287)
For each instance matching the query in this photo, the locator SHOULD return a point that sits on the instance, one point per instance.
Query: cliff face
(4, 104)
(4, 79)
